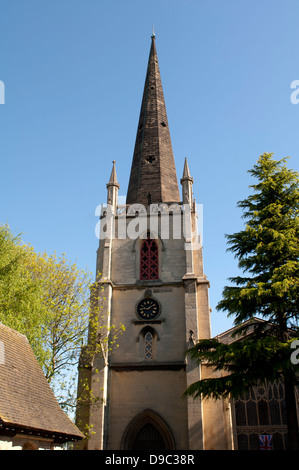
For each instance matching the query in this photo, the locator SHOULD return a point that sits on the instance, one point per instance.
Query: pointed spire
(153, 174)
(187, 182)
(112, 188)
(113, 177)
(186, 172)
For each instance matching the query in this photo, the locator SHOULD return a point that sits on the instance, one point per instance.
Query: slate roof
(27, 403)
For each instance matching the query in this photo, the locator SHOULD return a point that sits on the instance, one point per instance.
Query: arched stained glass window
(262, 411)
(149, 260)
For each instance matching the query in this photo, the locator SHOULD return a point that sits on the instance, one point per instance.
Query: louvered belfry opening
(149, 260)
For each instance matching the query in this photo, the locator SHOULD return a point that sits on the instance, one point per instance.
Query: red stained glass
(149, 260)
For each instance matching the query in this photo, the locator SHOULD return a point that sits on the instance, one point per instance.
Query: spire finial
(186, 172)
(153, 35)
(113, 177)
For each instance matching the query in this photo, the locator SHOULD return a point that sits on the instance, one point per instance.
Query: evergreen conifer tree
(267, 250)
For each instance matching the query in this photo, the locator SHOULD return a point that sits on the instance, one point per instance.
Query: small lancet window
(148, 346)
(149, 260)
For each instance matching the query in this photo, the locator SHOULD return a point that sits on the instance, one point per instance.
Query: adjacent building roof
(27, 403)
(153, 177)
(247, 328)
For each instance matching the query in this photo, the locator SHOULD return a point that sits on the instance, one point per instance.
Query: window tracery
(149, 260)
(148, 346)
(261, 411)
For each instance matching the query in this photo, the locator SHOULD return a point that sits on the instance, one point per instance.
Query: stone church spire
(153, 176)
(112, 188)
(187, 183)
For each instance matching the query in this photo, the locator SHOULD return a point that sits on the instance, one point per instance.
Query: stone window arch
(148, 431)
(138, 252)
(149, 260)
(261, 411)
(148, 344)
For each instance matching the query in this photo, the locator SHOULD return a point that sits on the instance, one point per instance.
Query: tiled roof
(26, 399)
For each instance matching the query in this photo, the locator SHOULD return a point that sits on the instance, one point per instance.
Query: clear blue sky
(74, 72)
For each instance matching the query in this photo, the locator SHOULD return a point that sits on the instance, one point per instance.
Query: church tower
(150, 278)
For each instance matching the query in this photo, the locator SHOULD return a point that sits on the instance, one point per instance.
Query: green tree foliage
(21, 305)
(47, 298)
(267, 250)
(56, 305)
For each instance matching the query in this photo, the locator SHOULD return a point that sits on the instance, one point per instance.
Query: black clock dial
(148, 309)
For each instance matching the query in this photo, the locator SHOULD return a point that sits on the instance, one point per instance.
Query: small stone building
(30, 416)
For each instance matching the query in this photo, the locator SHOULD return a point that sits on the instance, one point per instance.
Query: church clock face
(148, 309)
